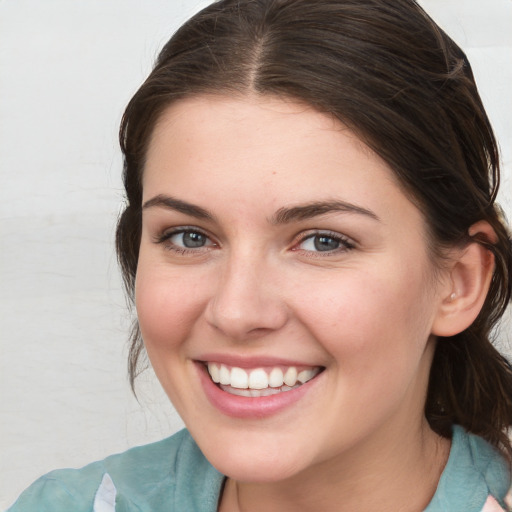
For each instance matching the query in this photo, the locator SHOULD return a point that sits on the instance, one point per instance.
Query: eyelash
(165, 237)
(346, 243)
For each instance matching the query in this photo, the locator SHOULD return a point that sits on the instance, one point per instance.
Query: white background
(67, 69)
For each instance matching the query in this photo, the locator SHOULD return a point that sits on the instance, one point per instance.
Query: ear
(470, 276)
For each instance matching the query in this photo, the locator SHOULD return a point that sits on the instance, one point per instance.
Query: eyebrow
(316, 209)
(171, 203)
(284, 215)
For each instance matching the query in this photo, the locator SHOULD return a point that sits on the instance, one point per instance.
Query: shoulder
(166, 475)
(476, 477)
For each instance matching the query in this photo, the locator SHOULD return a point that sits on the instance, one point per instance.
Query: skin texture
(366, 311)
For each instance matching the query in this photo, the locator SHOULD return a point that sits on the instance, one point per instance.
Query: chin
(257, 471)
(255, 462)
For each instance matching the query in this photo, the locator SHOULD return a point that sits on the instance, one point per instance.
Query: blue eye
(325, 242)
(185, 239)
(189, 239)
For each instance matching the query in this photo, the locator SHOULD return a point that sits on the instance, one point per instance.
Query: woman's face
(276, 245)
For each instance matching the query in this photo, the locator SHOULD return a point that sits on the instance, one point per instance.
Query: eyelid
(164, 236)
(346, 242)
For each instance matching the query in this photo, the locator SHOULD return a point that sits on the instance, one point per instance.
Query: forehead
(257, 119)
(264, 151)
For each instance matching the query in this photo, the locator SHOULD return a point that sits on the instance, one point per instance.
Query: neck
(378, 479)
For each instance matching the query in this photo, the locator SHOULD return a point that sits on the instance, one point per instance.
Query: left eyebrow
(315, 209)
(171, 203)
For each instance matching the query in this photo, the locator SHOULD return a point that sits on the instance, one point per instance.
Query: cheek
(166, 305)
(371, 322)
(377, 338)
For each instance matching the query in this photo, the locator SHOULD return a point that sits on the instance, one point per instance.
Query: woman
(313, 246)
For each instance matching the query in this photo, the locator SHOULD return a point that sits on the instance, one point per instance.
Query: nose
(246, 302)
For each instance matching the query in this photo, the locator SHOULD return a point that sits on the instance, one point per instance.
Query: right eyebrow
(316, 209)
(171, 203)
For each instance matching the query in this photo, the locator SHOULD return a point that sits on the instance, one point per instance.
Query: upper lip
(252, 361)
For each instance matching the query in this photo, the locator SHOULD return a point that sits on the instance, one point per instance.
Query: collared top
(174, 476)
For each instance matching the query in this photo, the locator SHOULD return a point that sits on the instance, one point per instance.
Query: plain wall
(67, 69)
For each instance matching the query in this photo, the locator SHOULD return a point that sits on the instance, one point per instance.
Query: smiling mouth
(259, 382)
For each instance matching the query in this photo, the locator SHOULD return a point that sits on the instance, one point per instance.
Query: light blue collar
(474, 471)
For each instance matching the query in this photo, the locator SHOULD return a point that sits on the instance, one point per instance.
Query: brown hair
(386, 70)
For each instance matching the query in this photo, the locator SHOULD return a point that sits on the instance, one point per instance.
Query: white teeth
(214, 371)
(258, 379)
(254, 393)
(239, 392)
(239, 378)
(290, 377)
(276, 379)
(224, 375)
(305, 375)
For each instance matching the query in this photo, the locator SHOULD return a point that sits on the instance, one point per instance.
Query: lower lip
(251, 407)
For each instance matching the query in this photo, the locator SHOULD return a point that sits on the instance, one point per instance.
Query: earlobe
(470, 277)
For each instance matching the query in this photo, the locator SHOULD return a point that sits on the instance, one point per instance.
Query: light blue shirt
(174, 476)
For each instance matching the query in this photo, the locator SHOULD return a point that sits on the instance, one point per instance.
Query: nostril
(245, 321)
